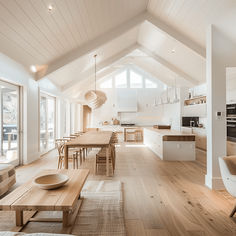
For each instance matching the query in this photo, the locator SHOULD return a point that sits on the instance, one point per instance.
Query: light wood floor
(161, 198)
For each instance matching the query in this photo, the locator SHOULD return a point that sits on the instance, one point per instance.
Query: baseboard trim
(215, 183)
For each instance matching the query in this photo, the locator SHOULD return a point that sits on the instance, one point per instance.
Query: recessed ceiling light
(50, 8)
(33, 68)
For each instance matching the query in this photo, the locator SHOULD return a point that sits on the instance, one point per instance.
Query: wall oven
(231, 110)
(231, 128)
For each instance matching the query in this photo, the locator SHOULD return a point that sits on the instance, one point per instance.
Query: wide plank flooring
(160, 198)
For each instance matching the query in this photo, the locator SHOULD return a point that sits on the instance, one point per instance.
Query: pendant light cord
(95, 71)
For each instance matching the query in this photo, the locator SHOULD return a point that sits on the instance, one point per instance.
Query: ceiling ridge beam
(115, 33)
(91, 45)
(167, 29)
(108, 62)
(168, 65)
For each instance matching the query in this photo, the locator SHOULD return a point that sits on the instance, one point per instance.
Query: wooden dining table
(91, 139)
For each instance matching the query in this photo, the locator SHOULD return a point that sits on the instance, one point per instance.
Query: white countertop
(169, 132)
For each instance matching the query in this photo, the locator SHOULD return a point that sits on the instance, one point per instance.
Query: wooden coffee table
(30, 199)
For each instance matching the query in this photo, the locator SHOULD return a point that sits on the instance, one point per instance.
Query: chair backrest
(227, 175)
(59, 142)
(114, 138)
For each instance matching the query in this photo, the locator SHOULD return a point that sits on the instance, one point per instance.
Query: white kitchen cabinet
(199, 110)
(201, 138)
(153, 141)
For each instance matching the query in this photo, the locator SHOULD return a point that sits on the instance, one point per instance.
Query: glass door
(47, 122)
(9, 123)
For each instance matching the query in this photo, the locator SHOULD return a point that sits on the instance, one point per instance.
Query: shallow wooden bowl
(51, 181)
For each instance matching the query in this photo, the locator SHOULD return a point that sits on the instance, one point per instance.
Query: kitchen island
(170, 145)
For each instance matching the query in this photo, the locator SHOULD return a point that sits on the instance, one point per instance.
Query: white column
(216, 102)
(220, 54)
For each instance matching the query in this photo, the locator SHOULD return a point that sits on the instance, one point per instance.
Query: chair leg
(96, 165)
(80, 157)
(233, 211)
(95, 168)
(59, 162)
(76, 160)
(73, 158)
(83, 154)
(80, 160)
(114, 157)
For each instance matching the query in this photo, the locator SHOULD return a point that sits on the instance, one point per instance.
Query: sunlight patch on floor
(135, 145)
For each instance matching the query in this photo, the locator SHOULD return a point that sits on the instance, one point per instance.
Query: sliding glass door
(47, 122)
(9, 123)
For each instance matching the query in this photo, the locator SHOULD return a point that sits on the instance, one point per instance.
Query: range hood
(126, 100)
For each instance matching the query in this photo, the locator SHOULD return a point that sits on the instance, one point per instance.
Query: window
(9, 123)
(136, 80)
(47, 122)
(106, 84)
(150, 84)
(121, 80)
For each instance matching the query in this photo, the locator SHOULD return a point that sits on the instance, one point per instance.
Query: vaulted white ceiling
(33, 36)
(192, 17)
(164, 37)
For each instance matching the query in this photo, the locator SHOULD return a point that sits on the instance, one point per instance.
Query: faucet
(192, 123)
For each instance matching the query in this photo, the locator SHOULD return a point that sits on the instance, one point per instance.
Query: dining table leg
(107, 161)
(66, 157)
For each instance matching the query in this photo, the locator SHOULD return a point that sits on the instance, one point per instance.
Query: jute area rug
(101, 213)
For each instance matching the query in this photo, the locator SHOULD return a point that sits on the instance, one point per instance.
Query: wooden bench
(29, 198)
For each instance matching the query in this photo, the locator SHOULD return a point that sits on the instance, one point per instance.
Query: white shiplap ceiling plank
(70, 28)
(12, 35)
(62, 25)
(41, 30)
(77, 21)
(24, 22)
(20, 31)
(86, 18)
(21, 55)
(42, 23)
(41, 8)
(92, 8)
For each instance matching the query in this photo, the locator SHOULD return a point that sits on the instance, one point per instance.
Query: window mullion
(128, 78)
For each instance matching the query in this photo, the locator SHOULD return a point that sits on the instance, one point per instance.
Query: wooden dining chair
(101, 158)
(60, 143)
(138, 135)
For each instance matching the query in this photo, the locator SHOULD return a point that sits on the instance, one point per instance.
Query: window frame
(47, 96)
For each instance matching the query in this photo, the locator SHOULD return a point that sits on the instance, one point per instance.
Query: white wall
(13, 72)
(147, 114)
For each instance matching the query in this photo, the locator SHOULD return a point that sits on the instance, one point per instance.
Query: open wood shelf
(195, 101)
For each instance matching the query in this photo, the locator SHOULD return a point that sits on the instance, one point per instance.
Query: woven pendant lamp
(95, 98)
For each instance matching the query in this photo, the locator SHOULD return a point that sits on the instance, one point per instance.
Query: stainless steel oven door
(231, 110)
(231, 129)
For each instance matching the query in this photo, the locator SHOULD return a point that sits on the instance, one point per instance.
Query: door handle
(232, 126)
